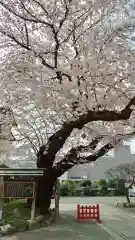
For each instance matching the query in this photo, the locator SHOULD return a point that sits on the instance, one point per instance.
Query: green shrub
(71, 182)
(118, 184)
(86, 191)
(90, 192)
(72, 192)
(103, 192)
(86, 183)
(111, 182)
(94, 185)
(68, 188)
(64, 189)
(72, 187)
(102, 182)
(120, 187)
(94, 192)
(79, 192)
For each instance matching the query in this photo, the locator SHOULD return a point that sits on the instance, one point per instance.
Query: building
(3, 166)
(97, 170)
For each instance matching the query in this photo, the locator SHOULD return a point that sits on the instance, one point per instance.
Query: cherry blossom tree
(126, 172)
(67, 72)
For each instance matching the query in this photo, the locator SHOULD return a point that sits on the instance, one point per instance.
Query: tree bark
(127, 195)
(44, 192)
(45, 184)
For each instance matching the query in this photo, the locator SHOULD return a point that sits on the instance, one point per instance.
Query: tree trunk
(127, 195)
(44, 193)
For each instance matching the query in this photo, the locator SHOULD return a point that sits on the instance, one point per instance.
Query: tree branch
(34, 19)
(102, 151)
(133, 180)
(74, 42)
(42, 7)
(57, 140)
(25, 46)
(65, 14)
(15, 40)
(72, 158)
(35, 149)
(31, 127)
(56, 48)
(44, 61)
(27, 35)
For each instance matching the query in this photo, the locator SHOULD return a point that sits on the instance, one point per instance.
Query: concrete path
(119, 224)
(66, 229)
(88, 200)
(116, 221)
(121, 221)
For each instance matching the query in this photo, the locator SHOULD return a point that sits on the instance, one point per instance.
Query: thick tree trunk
(46, 183)
(127, 196)
(44, 193)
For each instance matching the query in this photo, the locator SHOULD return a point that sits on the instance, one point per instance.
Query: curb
(116, 235)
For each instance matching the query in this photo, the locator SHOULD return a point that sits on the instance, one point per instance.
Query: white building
(97, 170)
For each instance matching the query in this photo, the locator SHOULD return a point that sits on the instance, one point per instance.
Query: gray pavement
(88, 200)
(117, 224)
(66, 229)
(120, 221)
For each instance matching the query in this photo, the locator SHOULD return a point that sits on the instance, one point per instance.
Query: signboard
(13, 189)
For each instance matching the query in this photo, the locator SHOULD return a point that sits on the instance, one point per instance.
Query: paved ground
(87, 200)
(68, 202)
(66, 229)
(115, 219)
(119, 223)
